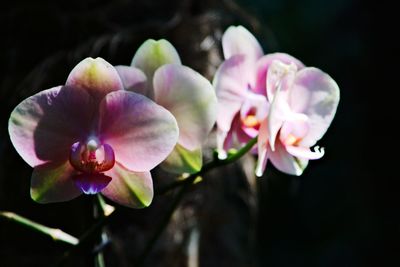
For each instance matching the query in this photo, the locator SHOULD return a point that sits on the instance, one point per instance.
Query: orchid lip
(91, 183)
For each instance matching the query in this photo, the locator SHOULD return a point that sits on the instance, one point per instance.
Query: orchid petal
(151, 55)
(296, 126)
(190, 98)
(261, 161)
(182, 160)
(278, 112)
(141, 132)
(231, 84)
(238, 40)
(285, 162)
(315, 94)
(127, 188)
(262, 68)
(256, 103)
(44, 126)
(133, 79)
(244, 134)
(52, 182)
(305, 152)
(226, 140)
(280, 77)
(262, 146)
(241, 133)
(97, 76)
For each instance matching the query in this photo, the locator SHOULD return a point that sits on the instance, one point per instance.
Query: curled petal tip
(306, 153)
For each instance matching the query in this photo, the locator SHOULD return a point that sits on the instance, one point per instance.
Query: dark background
(342, 212)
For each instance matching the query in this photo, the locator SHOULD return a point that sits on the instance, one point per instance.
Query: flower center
(251, 121)
(291, 140)
(91, 159)
(92, 156)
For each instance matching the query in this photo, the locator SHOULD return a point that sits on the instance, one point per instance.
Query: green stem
(186, 183)
(99, 260)
(208, 166)
(100, 207)
(87, 240)
(55, 234)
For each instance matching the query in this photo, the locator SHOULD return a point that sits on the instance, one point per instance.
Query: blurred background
(341, 212)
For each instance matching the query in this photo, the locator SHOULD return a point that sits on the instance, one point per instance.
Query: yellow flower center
(251, 121)
(292, 140)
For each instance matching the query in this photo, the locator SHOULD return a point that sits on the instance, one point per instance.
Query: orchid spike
(91, 136)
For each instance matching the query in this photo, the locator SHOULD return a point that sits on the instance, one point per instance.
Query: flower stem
(186, 183)
(55, 234)
(101, 210)
(208, 166)
(87, 240)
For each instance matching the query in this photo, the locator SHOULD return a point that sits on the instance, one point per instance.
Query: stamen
(92, 157)
(251, 121)
(291, 140)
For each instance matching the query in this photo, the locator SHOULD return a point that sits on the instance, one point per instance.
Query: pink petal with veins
(44, 126)
(190, 98)
(141, 133)
(231, 83)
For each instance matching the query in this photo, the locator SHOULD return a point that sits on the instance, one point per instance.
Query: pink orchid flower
(240, 83)
(157, 72)
(275, 97)
(303, 105)
(90, 136)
